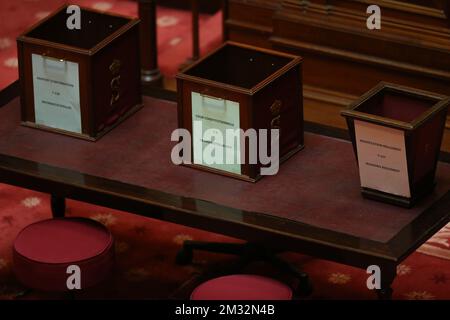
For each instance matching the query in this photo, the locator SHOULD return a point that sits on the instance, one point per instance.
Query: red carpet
(146, 248)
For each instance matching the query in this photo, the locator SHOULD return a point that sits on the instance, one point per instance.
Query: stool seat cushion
(242, 287)
(44, 250)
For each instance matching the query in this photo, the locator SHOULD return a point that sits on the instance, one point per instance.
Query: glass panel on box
(212, 120)
(56, 93)
(381, 158)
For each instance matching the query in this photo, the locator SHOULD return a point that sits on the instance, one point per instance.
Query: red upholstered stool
(242, 287)
(43, 251)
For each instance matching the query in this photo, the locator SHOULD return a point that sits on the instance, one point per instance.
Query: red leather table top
(317, 186)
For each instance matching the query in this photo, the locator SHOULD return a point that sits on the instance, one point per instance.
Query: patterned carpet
(146, 248)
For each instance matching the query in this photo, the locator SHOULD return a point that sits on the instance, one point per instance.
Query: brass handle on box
(275, 123)
(115, 88)
(115, 67)
(275, 110)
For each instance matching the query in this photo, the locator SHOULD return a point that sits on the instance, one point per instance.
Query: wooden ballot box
(396, 133)
(80, 82)
(242, 87)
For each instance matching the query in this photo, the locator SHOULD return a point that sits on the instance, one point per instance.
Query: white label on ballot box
(211, 118)
(56, 93)
(382, 158)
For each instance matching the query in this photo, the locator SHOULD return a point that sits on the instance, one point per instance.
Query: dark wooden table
(312, 206)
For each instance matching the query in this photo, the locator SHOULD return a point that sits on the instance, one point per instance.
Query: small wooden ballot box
(242, 87)
(396, 134)
(80, 82)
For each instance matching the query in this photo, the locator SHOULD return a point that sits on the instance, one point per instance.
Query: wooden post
(195, 35)
(195, 31)
(58, 205)
(150, 74)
